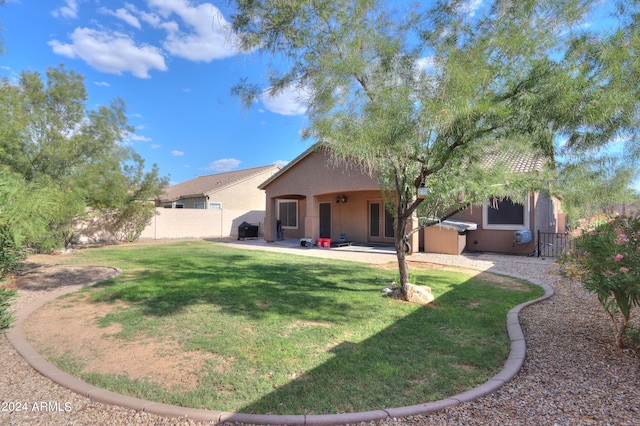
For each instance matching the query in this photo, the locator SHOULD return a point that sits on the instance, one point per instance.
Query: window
(167, 206)
(179, 206)
(505, 214)
(288, 213)
(173, 206)
(215, 206)
(198, 205)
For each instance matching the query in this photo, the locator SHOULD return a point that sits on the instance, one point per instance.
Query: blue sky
(173, 64)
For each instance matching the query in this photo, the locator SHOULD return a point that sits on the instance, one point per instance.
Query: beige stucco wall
(544, 214)
(197, 223)
(174, 224)
(244, 195)
(93, 229)
(314, 180)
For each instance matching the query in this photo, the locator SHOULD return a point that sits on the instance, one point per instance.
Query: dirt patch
(68, 328)
(45, 277)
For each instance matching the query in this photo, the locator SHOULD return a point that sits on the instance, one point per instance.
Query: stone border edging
(511, 367)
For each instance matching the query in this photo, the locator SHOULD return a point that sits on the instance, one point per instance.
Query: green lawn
(298, 334)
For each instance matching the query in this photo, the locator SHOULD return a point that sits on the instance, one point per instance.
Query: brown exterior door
(325, 220)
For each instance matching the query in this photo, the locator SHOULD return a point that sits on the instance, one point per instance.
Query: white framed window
(168, 206)
(288, 213)
(178, 206)
(505, 214)
(198, 205)
(215, 206)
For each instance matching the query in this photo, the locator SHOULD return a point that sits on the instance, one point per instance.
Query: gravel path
(572, 375)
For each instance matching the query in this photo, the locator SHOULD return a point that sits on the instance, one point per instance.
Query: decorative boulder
(419, 294)
(415, 293)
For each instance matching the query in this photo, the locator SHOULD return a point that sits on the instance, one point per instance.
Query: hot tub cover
(458, 225)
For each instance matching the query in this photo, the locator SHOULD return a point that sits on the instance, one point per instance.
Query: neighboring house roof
(209, 184)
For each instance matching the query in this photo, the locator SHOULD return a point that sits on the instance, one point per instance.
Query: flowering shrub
(606, 258)
(7, 293)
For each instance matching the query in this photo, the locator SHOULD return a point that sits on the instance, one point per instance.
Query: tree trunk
(402, 268)
(401, 254)
(619, 341)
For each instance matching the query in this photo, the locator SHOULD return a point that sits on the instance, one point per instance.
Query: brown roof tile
(516, 161)
(209, 184)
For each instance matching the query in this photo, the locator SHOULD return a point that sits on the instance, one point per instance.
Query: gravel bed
(572, 374)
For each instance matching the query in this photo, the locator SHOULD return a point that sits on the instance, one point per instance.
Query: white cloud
(470, 7)
(155, 146)
(139, 138)
(101, 83)
(111, 52)
(224, 165)
(69, 10)
(122, 14)
(204, 36)
(177, 153)
(287, 102)
(281, 163)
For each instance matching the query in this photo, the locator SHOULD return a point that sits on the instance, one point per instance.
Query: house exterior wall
(492, 240)
(544, 213)
(241, 195)
(244, 195)
(188, 203)
(313, 181)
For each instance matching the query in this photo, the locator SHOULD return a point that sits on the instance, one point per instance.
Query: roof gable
(208, 184)
(515, 161)
(313, 148)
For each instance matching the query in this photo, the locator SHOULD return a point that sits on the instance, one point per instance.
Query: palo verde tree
(596, 185)
(51, 140)
(421, 95)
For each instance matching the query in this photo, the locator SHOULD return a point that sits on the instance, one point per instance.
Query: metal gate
(551, 244)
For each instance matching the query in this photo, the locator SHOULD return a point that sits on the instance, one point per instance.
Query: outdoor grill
(247, 230)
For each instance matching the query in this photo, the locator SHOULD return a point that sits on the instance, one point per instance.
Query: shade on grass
(294, 334)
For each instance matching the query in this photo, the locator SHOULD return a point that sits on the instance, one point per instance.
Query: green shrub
(12, 253)
(7, 294)
(606, 259)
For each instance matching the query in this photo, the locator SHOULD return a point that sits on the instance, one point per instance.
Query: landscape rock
(415, 293)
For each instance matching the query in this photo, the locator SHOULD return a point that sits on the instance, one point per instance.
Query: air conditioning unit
(522, 237)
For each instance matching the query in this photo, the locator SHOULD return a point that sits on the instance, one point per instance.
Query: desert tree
(419, 95)
(52, 140)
